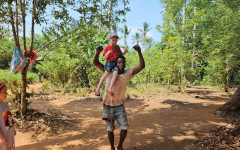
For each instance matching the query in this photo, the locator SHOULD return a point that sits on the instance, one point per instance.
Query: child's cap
(2, 84)
(113, 35)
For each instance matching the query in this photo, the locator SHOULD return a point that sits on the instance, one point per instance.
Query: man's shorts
(110, 66)
(112, 113)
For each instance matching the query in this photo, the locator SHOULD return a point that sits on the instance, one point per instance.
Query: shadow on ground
(173, 126)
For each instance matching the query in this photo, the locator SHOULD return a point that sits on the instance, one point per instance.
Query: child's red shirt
(112, 56)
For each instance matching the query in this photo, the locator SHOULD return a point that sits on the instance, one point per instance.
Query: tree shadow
(204, 93)
(199, 92)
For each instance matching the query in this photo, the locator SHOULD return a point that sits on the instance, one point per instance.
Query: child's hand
(110, 51)
(10, 120)
(3, 141)
(111, 42)
(125, 51)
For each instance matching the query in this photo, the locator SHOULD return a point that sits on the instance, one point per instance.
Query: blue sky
(143, 11)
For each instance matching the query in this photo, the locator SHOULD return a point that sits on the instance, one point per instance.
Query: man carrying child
(113, 105)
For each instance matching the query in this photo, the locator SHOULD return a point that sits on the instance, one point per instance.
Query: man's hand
(137, 48)
(141, 66)
(96, 58)
(99, 49)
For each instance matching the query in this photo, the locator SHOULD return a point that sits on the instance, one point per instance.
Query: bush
(208, 80)
(14, 81)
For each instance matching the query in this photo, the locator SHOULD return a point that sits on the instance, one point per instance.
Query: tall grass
(7, 76)
(14, 81)
(151, 88)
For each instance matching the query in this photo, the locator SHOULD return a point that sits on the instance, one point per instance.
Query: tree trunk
(16, 22)
(24, 91)
(168, 84)
(233, 105)
(184, 19)
(32, 30)
(124, 24)
(22, 4)
(183, 41)
(13, 24)
(109, 14)
(24, 71)
(194, 36)
(224, 82)
(100, 23)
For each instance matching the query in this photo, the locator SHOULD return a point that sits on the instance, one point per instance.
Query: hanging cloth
(18, 62)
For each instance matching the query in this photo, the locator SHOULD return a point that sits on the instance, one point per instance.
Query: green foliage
(150, 88)
(203, 49)
(82, 91)
(210, 33)
(44, 88)
(58, 68)
(70, 65)
(14, 81)
(6, 51)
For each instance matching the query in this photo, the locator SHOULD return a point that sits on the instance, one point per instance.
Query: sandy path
(167, 121)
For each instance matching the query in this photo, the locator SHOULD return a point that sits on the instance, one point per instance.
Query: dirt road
(166, 121)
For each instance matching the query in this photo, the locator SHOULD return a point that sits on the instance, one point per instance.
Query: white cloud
(150, 34)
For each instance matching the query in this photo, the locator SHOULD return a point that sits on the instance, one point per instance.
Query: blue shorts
(112, 113)
(110, 66)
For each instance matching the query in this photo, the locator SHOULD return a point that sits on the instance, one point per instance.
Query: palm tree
(144, 32)
(136, 38)
(125, 32)
(101, 10)
(149, 42)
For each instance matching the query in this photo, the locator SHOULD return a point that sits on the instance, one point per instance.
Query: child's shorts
(110, 66)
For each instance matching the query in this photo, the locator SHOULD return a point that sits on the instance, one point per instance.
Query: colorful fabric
(114, 55)
(18, 61)
(33, 57)
(5, 115)
(3, 131)
(7, 133)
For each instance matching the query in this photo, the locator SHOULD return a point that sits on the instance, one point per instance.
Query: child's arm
(14, 131)
(107, 54)
(125, 51)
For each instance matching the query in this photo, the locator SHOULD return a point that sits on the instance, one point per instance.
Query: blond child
(111, 53)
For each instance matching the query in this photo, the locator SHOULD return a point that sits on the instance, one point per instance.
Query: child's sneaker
(109, 92)
(97, 93)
